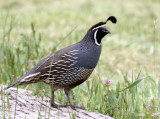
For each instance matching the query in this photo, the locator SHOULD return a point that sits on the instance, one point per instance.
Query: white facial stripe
(95, 39)
(99, 27)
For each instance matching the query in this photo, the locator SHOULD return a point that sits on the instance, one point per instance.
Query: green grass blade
(9, 106)
(133, 84)
(159, 88)
(16, 103)
(63, 39)
(158, 91)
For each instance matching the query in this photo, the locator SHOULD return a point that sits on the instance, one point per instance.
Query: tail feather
(11, 85)
(32, 78)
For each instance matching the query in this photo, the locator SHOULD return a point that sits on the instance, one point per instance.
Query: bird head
(99, 30)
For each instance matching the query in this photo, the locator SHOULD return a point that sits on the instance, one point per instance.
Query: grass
(31, 30)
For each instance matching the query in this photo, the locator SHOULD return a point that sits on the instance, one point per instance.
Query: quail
(70, 66)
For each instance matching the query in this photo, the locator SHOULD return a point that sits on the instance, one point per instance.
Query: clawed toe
(75, 106)
(58, 106)
(72, 106)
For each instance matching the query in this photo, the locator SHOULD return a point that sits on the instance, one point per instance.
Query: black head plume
(112, 19)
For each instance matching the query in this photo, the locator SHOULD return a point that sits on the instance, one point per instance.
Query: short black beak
(105, 29)
(108, 32)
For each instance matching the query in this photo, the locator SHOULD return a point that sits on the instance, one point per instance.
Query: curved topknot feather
(112, 19)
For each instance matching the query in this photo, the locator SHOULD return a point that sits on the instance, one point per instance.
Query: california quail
(70, 66)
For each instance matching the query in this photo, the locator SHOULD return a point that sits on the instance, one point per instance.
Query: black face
(100, 35)
(99, 31)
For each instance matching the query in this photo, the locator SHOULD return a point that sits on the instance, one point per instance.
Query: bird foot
(75, 106)
(58, 106)
(54, 105)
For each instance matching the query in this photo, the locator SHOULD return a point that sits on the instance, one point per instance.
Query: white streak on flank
(54, 64)
(67, 55)
(75, 57)
(71, 60)
(66, 62)
(65, 69)
(27, 80)
(46, 75)
(73, 64)
(50, 79)
(62, 65)
(61, 71)
(50, 71)
(59, 77)
(31, 75)
(63, 56)
(64, 73)
(73, 50)
(49, 66)
(58, 61)
(55, 70)
(73, 53)
(95, 34)
(104, 25)
(71, 56)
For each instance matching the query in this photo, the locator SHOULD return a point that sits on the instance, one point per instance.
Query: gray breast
(89, 58)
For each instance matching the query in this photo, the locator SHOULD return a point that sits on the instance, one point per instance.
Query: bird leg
(53, 104)
(67, 92)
